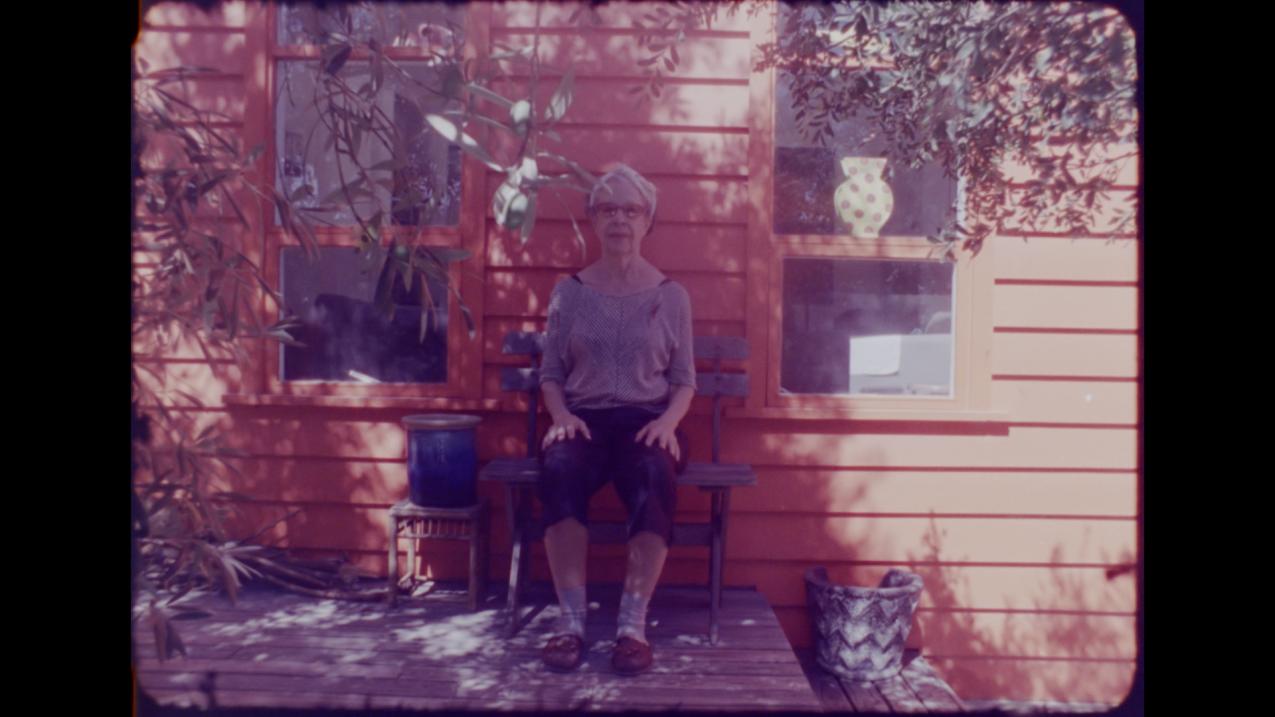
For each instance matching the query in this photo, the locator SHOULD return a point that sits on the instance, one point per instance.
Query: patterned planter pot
(860, 632)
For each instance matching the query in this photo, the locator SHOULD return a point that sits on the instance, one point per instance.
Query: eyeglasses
(609, 211)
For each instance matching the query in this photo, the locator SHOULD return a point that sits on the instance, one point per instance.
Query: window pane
(867, 326)
(346, 338)
(807, 177)
(426, 25)
(424, 192)
(807, 173)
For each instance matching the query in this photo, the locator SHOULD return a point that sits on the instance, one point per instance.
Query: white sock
(573, 611)
(632, 619)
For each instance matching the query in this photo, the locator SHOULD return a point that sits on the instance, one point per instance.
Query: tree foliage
(195, 287)
(974, 86)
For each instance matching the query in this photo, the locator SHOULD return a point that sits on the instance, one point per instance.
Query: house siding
(1013, 527)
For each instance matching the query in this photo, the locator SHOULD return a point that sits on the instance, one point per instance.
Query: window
(868, 326)
(866, 317)
(345, 337)
(399, 177)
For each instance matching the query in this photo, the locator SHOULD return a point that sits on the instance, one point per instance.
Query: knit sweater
(607, 351)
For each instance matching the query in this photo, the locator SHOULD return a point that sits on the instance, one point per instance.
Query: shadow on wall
(1085, 632)
(1059, 629)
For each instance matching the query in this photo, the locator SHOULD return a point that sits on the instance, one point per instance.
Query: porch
(275, 649)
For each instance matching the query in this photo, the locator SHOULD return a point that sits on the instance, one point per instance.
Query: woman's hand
(566, 429)
(661, 432)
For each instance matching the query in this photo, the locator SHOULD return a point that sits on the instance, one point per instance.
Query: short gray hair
(643, 186)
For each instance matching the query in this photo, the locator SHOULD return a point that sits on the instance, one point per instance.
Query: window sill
(434, 403)
(831, 413)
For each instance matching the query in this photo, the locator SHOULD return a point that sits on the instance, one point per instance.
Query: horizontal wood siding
(1058, 354)
(221, 51)
(1074, 260)
(1014, 525)
(1044, 306)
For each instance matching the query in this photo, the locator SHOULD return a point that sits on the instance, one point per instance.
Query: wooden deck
(280, 650)
(917, 689)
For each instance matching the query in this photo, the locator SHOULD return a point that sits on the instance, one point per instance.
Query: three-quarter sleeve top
(607, 351)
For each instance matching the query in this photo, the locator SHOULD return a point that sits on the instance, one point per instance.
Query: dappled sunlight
(162, 49)
(702, 58)
(333, 433)
(230, 13)
(456, 636)
(319, 614)
(192, 384)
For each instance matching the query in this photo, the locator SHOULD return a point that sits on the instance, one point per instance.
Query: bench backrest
(712, 383)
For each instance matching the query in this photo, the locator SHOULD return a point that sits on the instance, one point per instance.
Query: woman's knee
(648, 487)
(567, 481)
(564, 464)
(654, 469)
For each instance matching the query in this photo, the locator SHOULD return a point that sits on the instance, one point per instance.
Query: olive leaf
(453, 134)
(561, 98)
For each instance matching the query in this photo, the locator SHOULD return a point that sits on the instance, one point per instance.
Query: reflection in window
(424, 191)
(345, 337)
(867, 326)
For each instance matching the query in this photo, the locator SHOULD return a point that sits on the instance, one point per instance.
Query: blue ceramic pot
(442, 459)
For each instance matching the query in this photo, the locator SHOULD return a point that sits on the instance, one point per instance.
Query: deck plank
(931, 688)
(273, 667)
(299, 684)
(826, 686)
(864, 696)
(900, 696)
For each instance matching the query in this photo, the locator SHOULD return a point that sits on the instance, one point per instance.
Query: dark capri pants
(645, 476)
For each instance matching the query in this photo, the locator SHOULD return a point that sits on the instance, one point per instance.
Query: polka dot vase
(864, 200)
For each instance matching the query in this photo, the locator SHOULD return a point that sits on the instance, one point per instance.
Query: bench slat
(511, 470)
(519, 379)
(717, 474)
(721, 384)
(523, 343)
(705, 475)
(729, 348)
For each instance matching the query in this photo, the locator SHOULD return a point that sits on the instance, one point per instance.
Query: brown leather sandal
(631, 657)
(563, 653)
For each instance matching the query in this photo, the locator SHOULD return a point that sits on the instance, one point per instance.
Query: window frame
(970, 399)
(464, 354)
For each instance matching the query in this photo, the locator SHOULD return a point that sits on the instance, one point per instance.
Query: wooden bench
(521, 475)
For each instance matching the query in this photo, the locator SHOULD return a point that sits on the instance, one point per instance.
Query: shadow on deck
(279, 650)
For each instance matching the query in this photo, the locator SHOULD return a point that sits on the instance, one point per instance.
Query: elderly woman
(617, 376)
